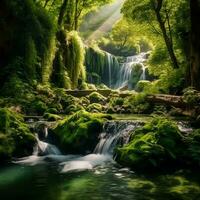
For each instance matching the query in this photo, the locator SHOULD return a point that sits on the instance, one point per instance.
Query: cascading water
(127, 67)
(115, 132)
(44, 148)
(110, 64)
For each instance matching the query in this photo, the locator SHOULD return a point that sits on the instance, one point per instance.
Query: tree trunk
(195, 44)
(62, 12)
(168, 41)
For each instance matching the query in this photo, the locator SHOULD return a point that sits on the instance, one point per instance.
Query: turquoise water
(108, 181)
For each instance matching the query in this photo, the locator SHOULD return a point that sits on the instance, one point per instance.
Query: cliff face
(101, 67)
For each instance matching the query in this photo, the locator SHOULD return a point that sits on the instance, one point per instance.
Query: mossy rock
(73, 108)
(91, 87)
(38, 107)
(51, 117)
(95, 108)
(158, 144)
(135, 75)
(143, 85)
(84, 101)
(138, 104)
(95, 97)
(52, 111)
(15, 136)
(79, 132)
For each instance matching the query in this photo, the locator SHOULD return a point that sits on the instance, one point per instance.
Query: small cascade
(44, 148)
(143, 75)
(125, 72)
(102, 67)
(46, 132)
(110, 64)
(115, 132)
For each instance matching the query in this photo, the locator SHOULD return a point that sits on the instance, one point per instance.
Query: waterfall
(115, 133)
(110, 64)
(127, 67)
(101, 67)
(143, 75)
(44, 148)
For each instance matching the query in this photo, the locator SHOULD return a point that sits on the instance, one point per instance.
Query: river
(96, 176)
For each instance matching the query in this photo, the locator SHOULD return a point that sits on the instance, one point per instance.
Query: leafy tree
(159, 15)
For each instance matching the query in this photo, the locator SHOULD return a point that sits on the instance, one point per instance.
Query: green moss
(84, 101)
(31, 37)
(135, 74)
(60, 76)
(15, 136)
(39, 107)
(157, 144)
(51, 117)
(75, 58)
(138, 104)
(184, 189)
(79, 132)
(142, 185)
(143, 85)
(95, 108)
(95, 97)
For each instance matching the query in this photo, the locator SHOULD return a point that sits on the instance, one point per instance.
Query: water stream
(127, 67)
(48, 174)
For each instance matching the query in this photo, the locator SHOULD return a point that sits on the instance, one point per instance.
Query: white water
(110, 64)
(127, 67)
(113, 134)
(44, 148)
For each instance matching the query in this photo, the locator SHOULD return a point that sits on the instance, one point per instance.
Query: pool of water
(106, 180)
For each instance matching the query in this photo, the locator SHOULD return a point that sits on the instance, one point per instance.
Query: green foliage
(75, 58)
(123, 40)
(79, 132)
(191, 96)
(155, 145)
(143, 85)
(60, 77)
(15, 136)
(144, 19)
(135, 74)
(97, 65)
(51, 117)
(138, 104)
(31, 37)
(95, 97)
(170, 80)
(15, 87)
(95, 108)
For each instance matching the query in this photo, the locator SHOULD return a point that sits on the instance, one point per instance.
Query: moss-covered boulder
(95, 108)
(51, 117)
(95, 97)
(138, 104)
(79, 132)
(135, 74)
(158, 144)
(15, 136)
(143, 85)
